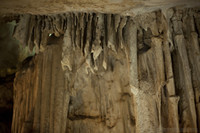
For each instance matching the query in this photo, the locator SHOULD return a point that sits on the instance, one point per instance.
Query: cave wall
(11, 55)
(11, 51)
(98, 72)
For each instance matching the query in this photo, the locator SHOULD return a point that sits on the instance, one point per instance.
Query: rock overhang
(123, 7)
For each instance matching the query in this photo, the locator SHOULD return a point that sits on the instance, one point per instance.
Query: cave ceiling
(124, 7)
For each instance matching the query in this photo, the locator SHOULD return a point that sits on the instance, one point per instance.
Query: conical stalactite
(115, 73)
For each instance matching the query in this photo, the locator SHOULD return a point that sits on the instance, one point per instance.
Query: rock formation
(101, 73)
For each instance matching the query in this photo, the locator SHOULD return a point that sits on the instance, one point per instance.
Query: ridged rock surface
(103, 73)
(40, 95)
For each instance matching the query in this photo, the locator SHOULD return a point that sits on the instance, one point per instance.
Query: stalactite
(120, 36)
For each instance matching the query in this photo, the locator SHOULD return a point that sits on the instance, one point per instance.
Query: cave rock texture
(109, 73)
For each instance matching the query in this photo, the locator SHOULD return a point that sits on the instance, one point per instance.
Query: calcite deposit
(109, 73)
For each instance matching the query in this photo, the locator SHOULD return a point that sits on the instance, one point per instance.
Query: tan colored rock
(107, 73)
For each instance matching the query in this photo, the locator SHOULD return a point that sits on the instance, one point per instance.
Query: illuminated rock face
(104, 73)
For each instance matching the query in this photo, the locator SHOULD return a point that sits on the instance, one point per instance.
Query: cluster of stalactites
(34, 30)
(90, 32)
(93, 34)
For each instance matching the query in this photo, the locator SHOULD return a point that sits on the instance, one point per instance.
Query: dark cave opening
(6, 103)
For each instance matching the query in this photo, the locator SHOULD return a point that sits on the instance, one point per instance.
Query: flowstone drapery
(98, 72)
